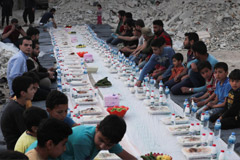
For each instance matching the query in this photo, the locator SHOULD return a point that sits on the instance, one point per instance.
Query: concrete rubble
(221, 19)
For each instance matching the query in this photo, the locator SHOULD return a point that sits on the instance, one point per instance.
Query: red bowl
(118, 110)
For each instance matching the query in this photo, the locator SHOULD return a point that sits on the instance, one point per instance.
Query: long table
(145, 132)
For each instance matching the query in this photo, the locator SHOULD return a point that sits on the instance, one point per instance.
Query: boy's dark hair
(235, 74)
(53, 10)
(24, 38)
(200, 47)
(21, 83)
(129, 22)
(33, 117)
(121, 13)
(14, 20)
(56, 98)
(34, 76)
(12, 155)
(159, 42)
(35, 42)
(140, 23)
(204, 64)
(178, 57)
(222, 65)
(113, 128)
(192, 36)
(52, 129)
(128, 15)
(32, 31)
(99, 5)
(158, 22)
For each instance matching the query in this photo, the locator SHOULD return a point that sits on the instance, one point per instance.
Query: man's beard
(188, 46)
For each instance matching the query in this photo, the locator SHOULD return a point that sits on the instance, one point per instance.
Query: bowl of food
(118, 110)
(156, 156)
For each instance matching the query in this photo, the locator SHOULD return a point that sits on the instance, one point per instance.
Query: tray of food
(189, 140)
(90, 111)
(79, 83)
(92, 119)
(178, 120)
(179, 129)
(140, 96)
(86, 100)
(202, 152)
(104, 155)
(159, 110)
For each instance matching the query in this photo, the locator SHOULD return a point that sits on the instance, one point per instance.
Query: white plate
(202, 152)
(179, 129)
(106, 156)
(90, 111)
(140, 96)
(79, 83)
(182, 120)
(189, 140)
(92, 119)
(159, 110)
(83, 101)
(113, 71)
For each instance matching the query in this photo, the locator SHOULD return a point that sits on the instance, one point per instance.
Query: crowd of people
(58, 135)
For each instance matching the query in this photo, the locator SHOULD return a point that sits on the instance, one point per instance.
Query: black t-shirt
(12, 123)
(46, 17)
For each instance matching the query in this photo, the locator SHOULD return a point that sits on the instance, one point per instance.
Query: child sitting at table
(32, 118)
(57, 107)
(203, 98)
(177, 60)
(52, 135)
(230, 118)
(222, 88)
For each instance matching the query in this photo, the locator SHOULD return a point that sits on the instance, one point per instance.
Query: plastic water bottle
(187, 111)
(161, 100)
(214, 152)
(231, 142)
(204, 139)
(217, 129)
(185, 104)
(191, 129)
(85, 75)
(194, 110)
(206, 119)
(198, 129)
(210, 139)
(167, 92)
(202, 119)
(221, 155)
(161, 84)
(151, 83)
(173, 119)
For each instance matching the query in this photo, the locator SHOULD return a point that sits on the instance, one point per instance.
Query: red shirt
(167, 38)
(14, 35)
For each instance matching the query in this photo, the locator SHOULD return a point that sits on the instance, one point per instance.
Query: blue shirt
(211, 59)
(81, 146)
(16, 67)
(69, 121)
(222, 90)
(164, 59)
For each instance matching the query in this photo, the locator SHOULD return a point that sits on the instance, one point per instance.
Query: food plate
(90, 111)
(197, 152)
(179, 120)
(104, 155)
(92, 119)
(113, 71)
(140, 96)
(79, 83)
(86, 100)
(189, 140)
(159, 110)
(179, 129)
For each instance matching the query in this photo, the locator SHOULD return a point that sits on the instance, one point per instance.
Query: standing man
(7, 6)
(29, 11)
(17, 64)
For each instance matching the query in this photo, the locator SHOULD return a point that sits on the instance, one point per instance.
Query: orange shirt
(176, 71)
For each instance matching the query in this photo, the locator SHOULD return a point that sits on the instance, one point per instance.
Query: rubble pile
(220, 18)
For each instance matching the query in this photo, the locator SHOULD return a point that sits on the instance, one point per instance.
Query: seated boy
(203, 98)
(177, 69)
(32, 118)
(230, 118)
(162, 56)
(52, 135)
(12, 123)
(223, 87)
(87, 141)
(57, 107)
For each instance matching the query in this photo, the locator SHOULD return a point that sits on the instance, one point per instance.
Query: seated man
(33, 33)
(161, 56)
(17, 64)
(52, 135)
(33, 65)
(87, 141)
(12, 122)
(11, 32)
(45, 20)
